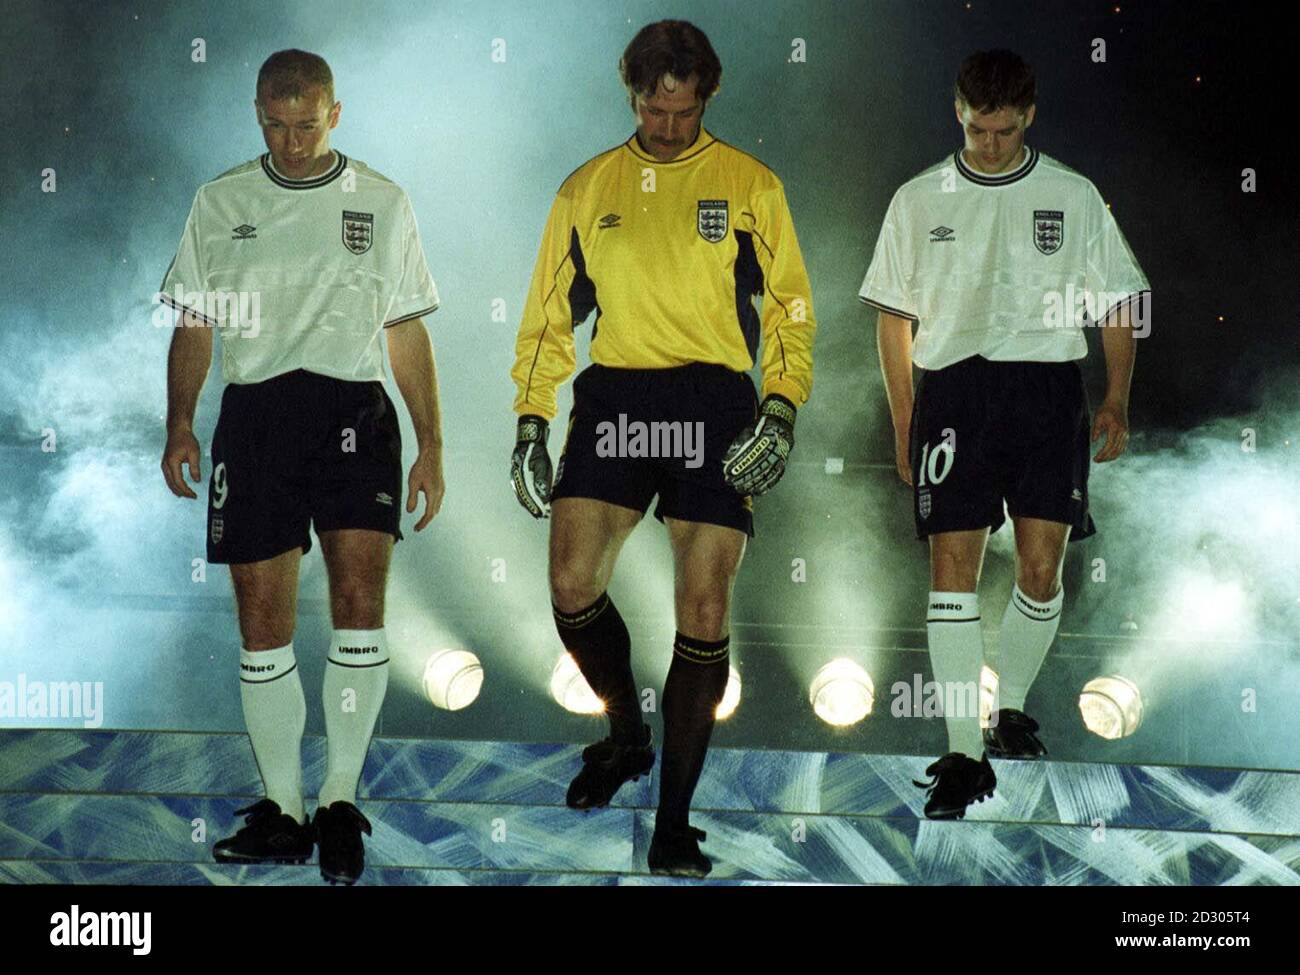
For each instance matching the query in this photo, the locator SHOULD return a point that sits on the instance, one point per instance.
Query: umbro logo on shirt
(941, 234)
(609, 220)
(244, 232)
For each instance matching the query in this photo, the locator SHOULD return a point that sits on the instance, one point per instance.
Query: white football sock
(1028, 628)
(356, 679)
(275, 713)
(956, 655)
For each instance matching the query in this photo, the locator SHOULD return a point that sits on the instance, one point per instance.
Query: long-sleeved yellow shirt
(670, 255)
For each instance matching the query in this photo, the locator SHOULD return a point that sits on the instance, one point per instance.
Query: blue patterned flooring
(145, 807)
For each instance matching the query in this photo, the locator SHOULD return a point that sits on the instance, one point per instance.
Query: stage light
(571, 690)
(988, 694)
(842, 692)
(452, 679)
(1111, 707)
(731, 696)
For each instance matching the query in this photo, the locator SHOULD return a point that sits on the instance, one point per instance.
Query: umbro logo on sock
(358, 649)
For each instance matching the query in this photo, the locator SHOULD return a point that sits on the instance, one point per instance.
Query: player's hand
(903, 453)
(1111, 419)
(530, 466)
(426, 476)
(756, 459)
(182, 449)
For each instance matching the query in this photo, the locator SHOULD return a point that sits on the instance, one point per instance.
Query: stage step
(145, 807)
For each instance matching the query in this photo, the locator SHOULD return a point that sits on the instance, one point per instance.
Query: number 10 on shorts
(945, 453)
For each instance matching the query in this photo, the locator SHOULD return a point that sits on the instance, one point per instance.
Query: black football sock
(597, 639)
(696, 681)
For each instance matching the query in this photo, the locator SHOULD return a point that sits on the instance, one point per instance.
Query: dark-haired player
(668, 237)
(323, 258)
(992, 252)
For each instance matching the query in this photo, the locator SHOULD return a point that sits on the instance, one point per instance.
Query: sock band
(953, 607)
(264, 666)
(701, 651)
(1040, 612)
(583, 616)
(358, 648)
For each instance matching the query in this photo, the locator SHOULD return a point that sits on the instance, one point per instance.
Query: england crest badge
(923, 502)
(357, 231)
(1049, 229)
(711, 220)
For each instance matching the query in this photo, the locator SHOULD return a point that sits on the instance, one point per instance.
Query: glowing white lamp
(452, 679)
(842, 692)
(731, 696)
(1111, 707)
(571, 690)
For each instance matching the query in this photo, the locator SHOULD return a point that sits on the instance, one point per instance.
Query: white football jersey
(1009, 266)
(301, 274)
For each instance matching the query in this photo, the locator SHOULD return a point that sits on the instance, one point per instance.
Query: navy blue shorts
(296, 450)
(637, 433)
(984, 433)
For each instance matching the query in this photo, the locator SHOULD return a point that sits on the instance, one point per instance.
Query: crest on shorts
(923, 502)
(357, 231)
(1049, 229)
(218, 528)
(711, 220)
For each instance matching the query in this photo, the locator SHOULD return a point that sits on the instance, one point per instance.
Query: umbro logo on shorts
(383, 497)
(1076, 495)
(941, 234)
(244, 232)
(609, 220)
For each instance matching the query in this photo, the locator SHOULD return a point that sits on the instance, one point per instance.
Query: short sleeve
(416, 294)
(888, 284)
(185, 283)
(1114, 276)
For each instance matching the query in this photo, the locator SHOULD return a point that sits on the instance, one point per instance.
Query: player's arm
(188, 360)
(1119, 345)
(1116, 283)
(756, 459)
(894, 346)
(544, 356)
(788, 322)
(410, 353)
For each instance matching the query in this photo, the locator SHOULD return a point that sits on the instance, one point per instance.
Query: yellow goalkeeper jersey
(670, 256)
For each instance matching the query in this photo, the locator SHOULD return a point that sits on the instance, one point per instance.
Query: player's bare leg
(706, 560)
(586, 538)
(1029, 625)
(275, 712)
(356, 680)
(266, 597)
(957, 559)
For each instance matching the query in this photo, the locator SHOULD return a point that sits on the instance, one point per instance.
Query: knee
(357, 607)
(573, 588)
(1038, 578)
(703, 613)
(265, 631)
(952, 573)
